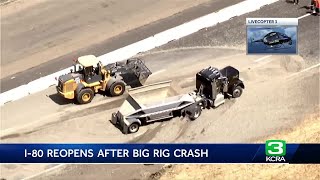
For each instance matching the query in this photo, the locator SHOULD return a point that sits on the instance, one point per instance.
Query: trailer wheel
(117, 88)
(193, 114)
(85, 96)
(133, 128)
(237, 92)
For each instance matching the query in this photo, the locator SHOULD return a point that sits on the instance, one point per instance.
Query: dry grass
(307, 132)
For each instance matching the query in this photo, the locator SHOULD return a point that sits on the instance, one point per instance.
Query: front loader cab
(91, 68)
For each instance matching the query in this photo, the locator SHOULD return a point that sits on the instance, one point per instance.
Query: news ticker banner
(272, 35)
(274, 151)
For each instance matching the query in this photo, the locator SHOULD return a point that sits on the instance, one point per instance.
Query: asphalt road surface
(39, 34)
(48, 35)
(272, 100)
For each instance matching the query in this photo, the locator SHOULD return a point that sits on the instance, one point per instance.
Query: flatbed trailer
(212, 87)
(185, 104)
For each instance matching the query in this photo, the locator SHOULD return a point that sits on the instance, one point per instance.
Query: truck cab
(215, 84)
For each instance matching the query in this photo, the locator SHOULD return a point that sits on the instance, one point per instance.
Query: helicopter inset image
(263, 39)
(274, 40)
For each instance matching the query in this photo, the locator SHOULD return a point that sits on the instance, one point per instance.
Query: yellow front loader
(89, 77)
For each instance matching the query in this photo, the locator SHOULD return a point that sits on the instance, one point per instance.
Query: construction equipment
(212, 87)
(89, 76)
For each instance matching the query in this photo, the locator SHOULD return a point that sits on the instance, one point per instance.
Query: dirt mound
(149, 94)
(155, 92)
(274, 67)
(292, 63)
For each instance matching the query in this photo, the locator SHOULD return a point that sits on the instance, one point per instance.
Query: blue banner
(275, 151)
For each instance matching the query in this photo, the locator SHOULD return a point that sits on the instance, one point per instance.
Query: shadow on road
(60, 100)
(117, 126)
(290, 1)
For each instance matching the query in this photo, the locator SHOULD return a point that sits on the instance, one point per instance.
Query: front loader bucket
(133, 71)
(140, 70)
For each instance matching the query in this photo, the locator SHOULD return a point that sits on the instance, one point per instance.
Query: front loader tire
(117, 88)
(85, 96)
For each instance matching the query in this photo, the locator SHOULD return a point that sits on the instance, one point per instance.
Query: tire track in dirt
(147, 136)
(69, 115)
(91, 110)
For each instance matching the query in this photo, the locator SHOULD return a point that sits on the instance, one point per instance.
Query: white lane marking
(304, 70)
(149, 43)
(263, 63)
(158, 72)
(185, 48)
(262, 58)
(45, 171)
(306, 15)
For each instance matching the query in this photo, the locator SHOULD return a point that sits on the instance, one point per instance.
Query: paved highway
(97, 45)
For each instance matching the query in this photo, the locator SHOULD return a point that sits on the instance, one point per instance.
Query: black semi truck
(213, 86)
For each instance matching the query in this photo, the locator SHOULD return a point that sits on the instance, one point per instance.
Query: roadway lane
(49, 29)
(231, 33)
(113, 43)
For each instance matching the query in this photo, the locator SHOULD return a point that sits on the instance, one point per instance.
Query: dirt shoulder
(9, 7)
(307, 132)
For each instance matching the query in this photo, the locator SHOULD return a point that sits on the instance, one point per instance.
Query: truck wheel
(85, 96)
(133, 128)
(117, 88)
(194, 113)
(237, 91)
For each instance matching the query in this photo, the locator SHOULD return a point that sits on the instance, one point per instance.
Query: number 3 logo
(275, 148)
